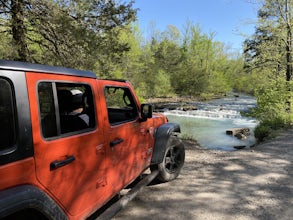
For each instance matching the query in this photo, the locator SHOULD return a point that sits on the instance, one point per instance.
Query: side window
(120, 105)
(47, 109)
(65, 108)
(7, 116)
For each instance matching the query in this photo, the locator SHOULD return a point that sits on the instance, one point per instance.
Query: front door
(68, 141)
(129, 142)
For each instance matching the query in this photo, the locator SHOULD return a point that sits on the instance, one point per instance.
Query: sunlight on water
(208, 124)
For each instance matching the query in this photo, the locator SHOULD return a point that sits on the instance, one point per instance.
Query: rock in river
(240, 133)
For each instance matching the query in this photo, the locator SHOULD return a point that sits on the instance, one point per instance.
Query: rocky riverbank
(182, 103)
(163, 104)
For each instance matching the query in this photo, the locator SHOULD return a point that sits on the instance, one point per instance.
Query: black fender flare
(28, 197)
(161, 138)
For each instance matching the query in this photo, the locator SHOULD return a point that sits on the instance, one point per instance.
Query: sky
(232, 21)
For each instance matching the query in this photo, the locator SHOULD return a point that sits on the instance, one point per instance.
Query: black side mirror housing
(146, 111)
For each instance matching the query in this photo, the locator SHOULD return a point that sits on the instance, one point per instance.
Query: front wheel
(172, 162)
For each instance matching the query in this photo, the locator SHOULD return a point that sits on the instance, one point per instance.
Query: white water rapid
(208, 124)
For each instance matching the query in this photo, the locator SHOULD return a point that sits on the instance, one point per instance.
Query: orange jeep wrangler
(70, 142)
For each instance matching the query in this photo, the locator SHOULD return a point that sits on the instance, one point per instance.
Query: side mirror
(146, 111)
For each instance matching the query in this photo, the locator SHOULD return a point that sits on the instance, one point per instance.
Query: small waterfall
(210, 114)
(208, 124)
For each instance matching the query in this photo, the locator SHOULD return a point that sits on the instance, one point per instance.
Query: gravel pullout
(249, 184)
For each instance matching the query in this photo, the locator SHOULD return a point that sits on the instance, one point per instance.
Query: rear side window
(120, 105)
(7, 116)
(65, 108)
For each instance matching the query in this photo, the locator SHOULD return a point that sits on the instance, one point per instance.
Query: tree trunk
(289, 43)
(289, 68)
(18, 29)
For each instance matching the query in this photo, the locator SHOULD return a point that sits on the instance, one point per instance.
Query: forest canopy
(103, 36)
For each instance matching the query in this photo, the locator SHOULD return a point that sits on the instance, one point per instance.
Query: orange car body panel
(18, 173)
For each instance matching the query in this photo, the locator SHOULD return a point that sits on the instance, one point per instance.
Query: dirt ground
(250, 184)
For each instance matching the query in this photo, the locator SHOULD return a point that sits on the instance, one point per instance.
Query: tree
(271, 46)
(14, 10)
(69, 33)
(269, 53)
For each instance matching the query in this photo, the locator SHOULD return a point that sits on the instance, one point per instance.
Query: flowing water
(208, 124)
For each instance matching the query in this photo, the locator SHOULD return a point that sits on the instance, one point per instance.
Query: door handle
(116, 142)
(60, 163)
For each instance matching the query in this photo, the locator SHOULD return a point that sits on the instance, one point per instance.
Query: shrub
(261, 132)
(272, 101)
(187, 137)
(274, 111)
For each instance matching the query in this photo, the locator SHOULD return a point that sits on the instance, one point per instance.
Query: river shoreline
(168, 103)
(193, 144)
(182, 101)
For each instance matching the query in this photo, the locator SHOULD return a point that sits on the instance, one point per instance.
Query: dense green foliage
(72, 33)
(269, 54)
(101, 36)
(189, 64)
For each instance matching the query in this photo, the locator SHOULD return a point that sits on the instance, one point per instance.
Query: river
(208, 124)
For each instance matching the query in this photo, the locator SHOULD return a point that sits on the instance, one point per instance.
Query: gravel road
(250, 184)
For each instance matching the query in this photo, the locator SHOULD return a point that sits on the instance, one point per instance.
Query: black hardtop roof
(23, 66)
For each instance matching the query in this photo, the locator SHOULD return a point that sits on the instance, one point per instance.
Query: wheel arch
(24, 197)
(161, 138)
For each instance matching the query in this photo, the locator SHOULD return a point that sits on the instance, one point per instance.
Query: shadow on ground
(247, 184)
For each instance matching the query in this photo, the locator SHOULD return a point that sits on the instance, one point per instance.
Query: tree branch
(282, 14)
(5, 4)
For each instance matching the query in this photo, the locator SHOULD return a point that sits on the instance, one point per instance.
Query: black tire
(173, 160)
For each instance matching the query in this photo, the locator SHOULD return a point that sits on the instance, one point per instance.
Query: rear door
(68, 140)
